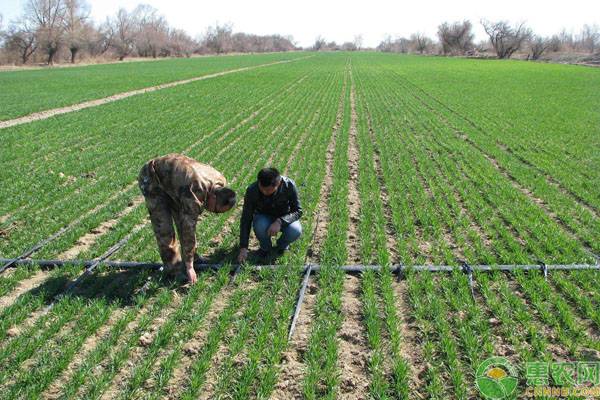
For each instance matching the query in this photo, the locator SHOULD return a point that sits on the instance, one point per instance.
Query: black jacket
(284, 203)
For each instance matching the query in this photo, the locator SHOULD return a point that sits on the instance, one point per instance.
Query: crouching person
(271, 206)
(177, 189)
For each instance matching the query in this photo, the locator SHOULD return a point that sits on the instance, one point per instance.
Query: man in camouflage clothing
(177, 189)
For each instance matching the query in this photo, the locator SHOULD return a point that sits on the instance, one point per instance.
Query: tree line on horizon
(52, 31)
(504, 40)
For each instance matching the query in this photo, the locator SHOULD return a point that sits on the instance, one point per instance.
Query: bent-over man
(177, 189)
(271, 205)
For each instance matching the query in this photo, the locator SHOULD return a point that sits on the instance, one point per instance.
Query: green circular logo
(496, 378)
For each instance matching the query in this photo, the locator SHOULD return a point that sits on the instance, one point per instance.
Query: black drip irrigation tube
(10, 262)
(91, 267)
(299, 301)
(398, 269)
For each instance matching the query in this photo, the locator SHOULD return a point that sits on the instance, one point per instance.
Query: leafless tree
(554, 43)
(332, 46)
(217, 39)
(2, 33)
(348, 46)
(590, 38)
(506, 39)
(77, 13)
(124, 28)
(456, 38)
(420, 42)
(566, 39)
(101, 40)
(180, 43)
(401, 45)
(385, 45)
(21, 39)
(152, 31)
(48, 17)
(358, 41)
(483, 46)
(538, 46)
(319, 44)
(398, 45)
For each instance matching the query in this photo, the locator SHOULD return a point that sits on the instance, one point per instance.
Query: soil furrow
(85, 242)
(353, 243)
(94, 103)
(354, 352)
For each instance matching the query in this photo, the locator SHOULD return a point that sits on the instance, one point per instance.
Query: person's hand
(242, 256)
(274, 228)
(191, 274)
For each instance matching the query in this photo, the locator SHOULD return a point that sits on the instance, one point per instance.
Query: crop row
(188, 114)
(29, 91)
(309, 132)
(546, 151)
(466, 208)
(427, 195)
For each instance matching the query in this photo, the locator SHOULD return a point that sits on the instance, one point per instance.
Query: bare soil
(390, 230)
(85, 242)
(5, 218)
(55, 389)
(22, 287)
(411, 344)
(93, 103)
(212, 376)
(289, 384)
(354, 352)
(137, 353)
(558, 351)
(322, 216)
(194, 346)
(353, 243)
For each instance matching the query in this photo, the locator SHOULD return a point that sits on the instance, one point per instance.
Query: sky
(342, 20)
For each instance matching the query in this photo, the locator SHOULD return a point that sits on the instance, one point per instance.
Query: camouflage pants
(163, 214)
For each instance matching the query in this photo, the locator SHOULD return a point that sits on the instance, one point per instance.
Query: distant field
(399, 159)
(28, 91)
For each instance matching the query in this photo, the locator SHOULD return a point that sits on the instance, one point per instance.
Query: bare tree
(401, 45)
(398, 45)
(77, 13)
(385, 45)
(218, 39)
(332, 46)
(554, 43)
(420, 42)
(21, 39)
(180, 43)
(101, 39)
(319, 43)
(456, 38)
(566, 39)
(348, 46)
(538, 46)
(152, 31)
(2, 33)
(590, 38)
(48, 17)
(506, 39)
(358, 41)
(124, 28)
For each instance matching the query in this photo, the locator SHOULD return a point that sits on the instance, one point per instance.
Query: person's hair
(225, 197)
(268, 177)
